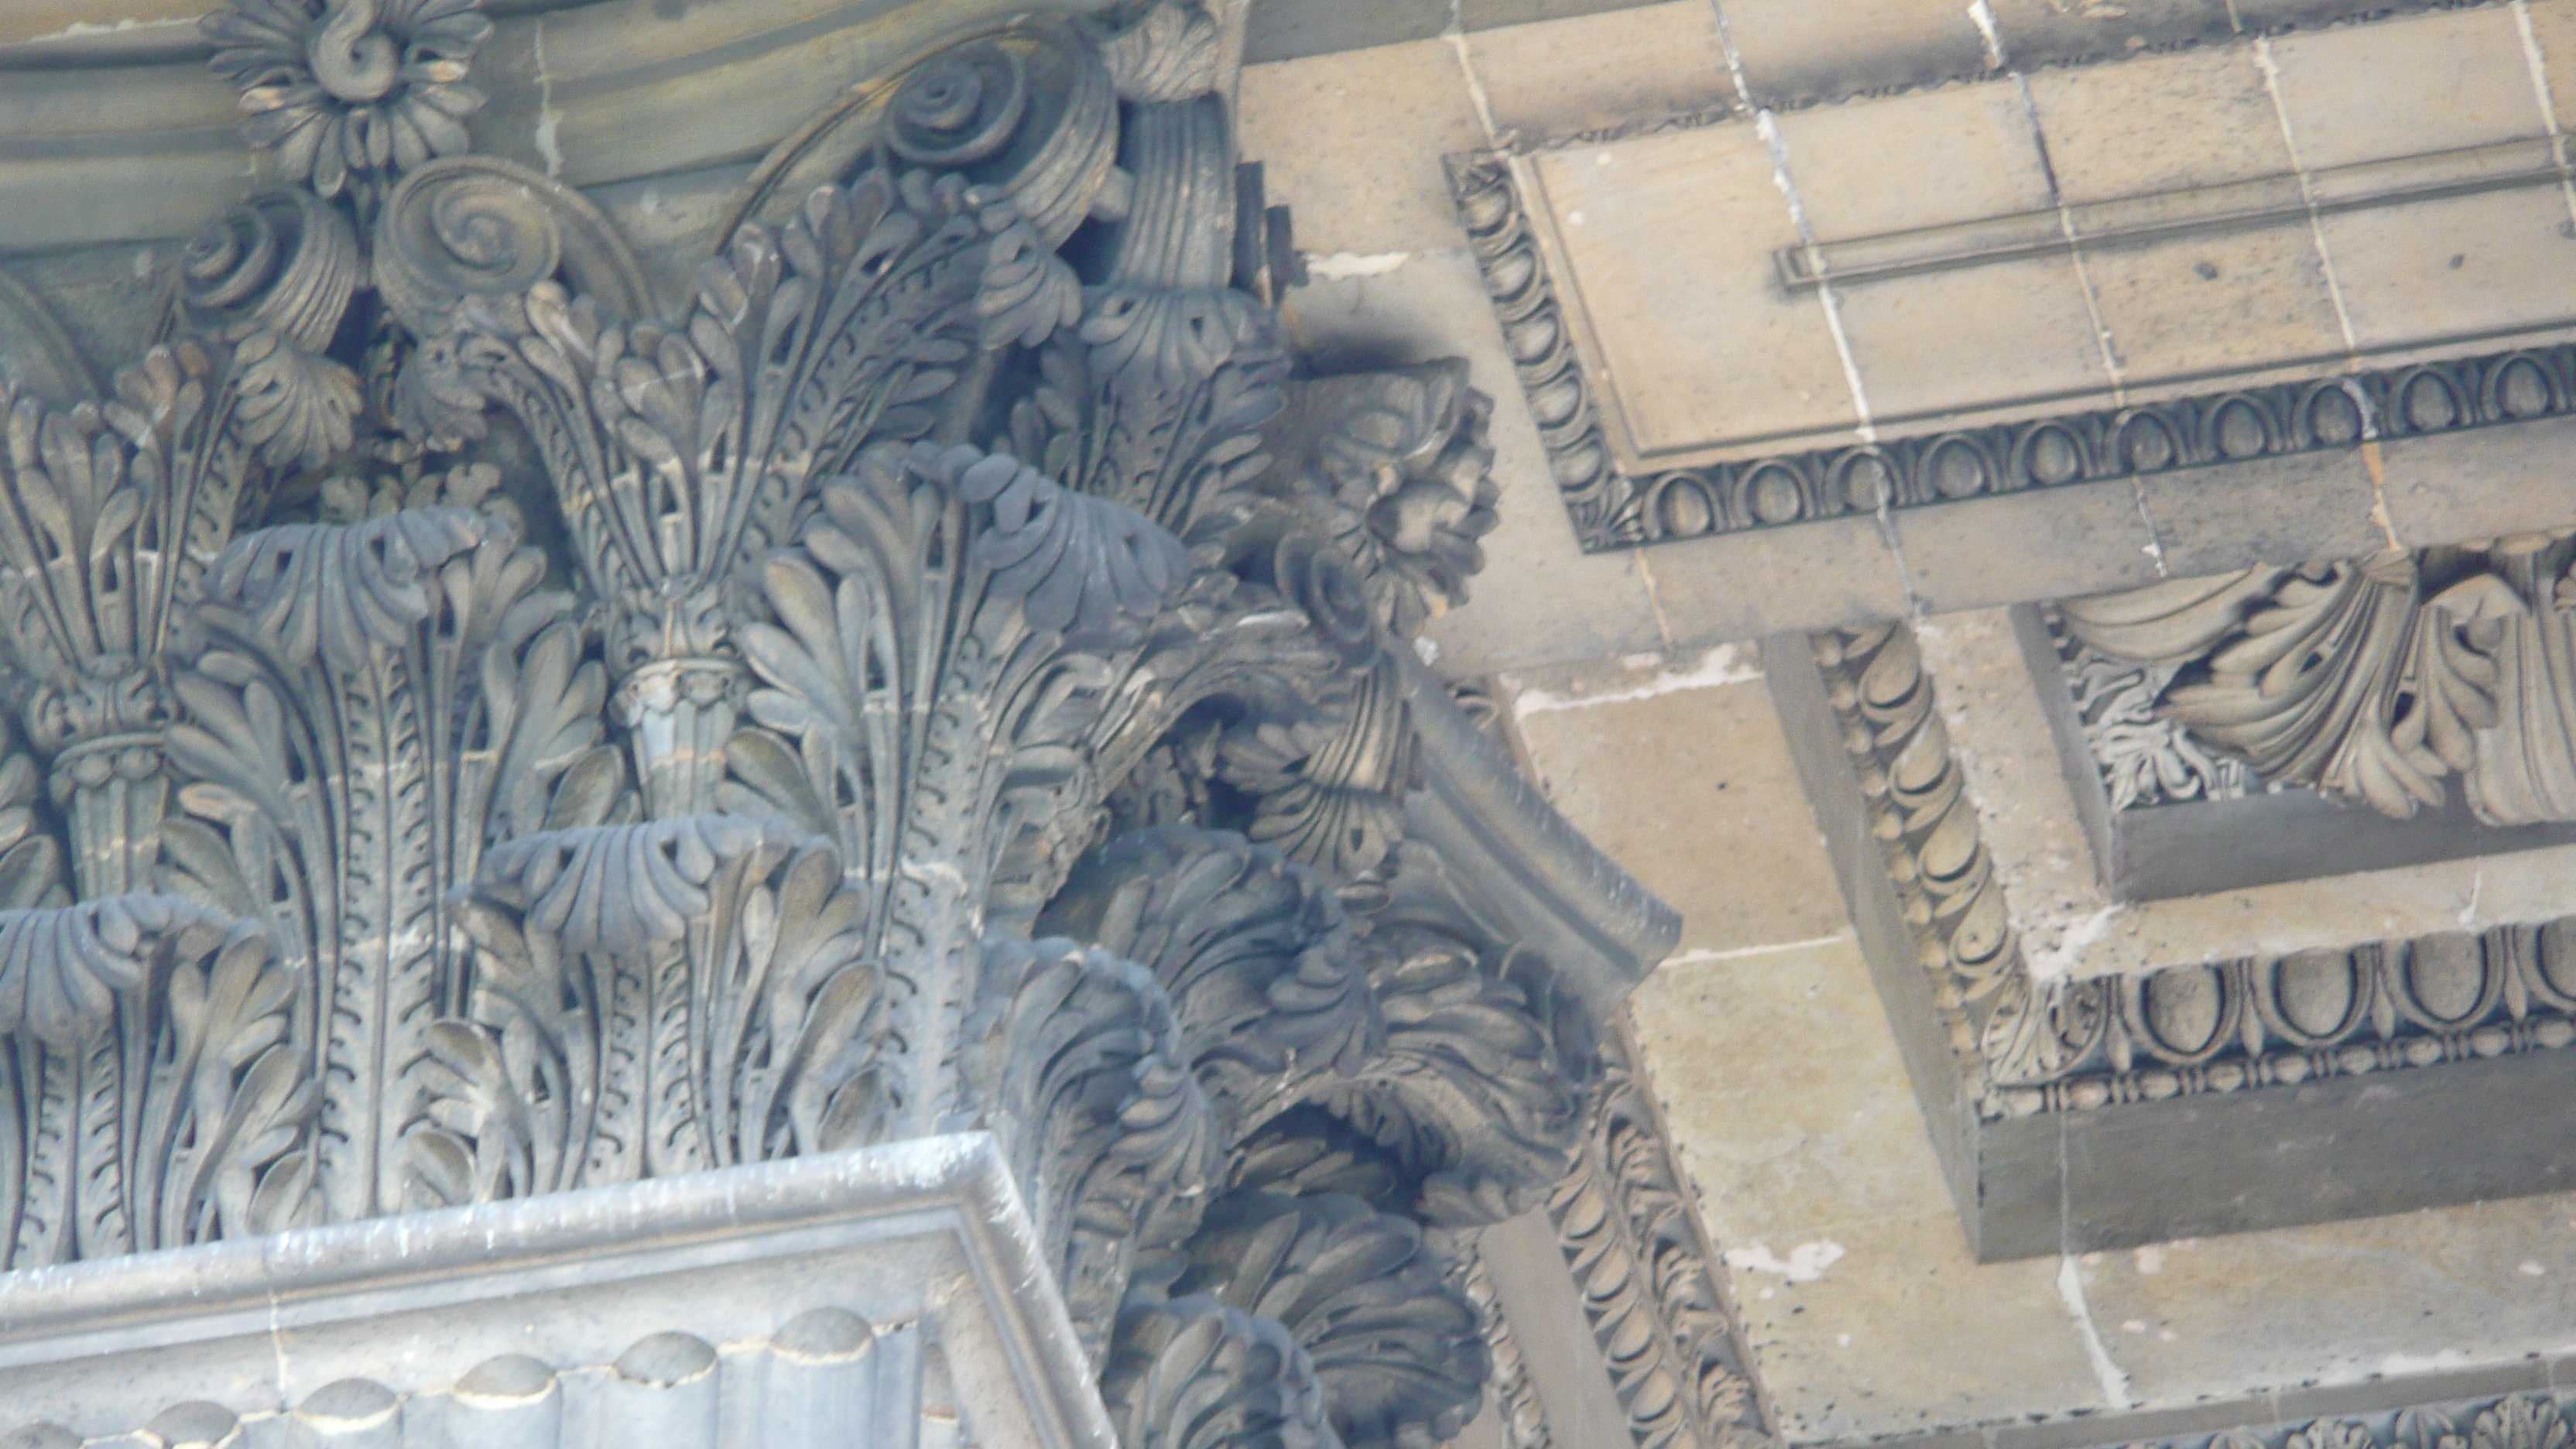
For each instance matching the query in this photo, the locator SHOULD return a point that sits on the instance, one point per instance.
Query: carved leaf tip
(1171, 53)
(1077, 564)
(335, 592)
(60, 969)
(625, 888)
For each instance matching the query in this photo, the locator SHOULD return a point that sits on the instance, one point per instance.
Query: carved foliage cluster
(2145, 757)
(2373, 680)
(2066, 1045)
(945, 678)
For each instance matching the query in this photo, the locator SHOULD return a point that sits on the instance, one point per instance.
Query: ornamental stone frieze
(2224, 718)
(2068, 1048)
(501, 744)
(1795, 350)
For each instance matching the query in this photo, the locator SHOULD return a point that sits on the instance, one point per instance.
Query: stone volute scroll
(484, 735)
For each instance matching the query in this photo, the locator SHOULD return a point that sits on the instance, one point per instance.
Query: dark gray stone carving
(1650, 1283)
(501, 741)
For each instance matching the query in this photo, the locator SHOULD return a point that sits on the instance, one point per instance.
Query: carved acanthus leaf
(61, 969)
(623, 889)
(273, 277)
(107, 516)
(648, 999)
(381, 701)
(2372, 681)
(1397, 1349)
(1195, 1373)
(1260, 965)
(1392, 468)
(1082, 1062)
(1171, 53)
(681, 455)
(1470, 1095)
(182, 1114)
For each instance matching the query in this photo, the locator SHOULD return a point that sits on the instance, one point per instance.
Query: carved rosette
(946, 677)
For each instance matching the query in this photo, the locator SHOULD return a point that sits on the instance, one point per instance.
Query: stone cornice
(412, 1307)
(2074, 1044)
(2445, 1409)
(1616, 504)
(2215, 1061)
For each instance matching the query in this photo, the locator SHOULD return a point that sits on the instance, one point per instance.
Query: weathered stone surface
(1616, 69)
(1696, 733)
(1356, 139)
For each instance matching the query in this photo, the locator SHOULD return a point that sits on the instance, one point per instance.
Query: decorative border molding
(2399, 1416)
(937, 1222)
(1613, 509)
(1520, 1418)
(2028, 1047)
(1633, 1240)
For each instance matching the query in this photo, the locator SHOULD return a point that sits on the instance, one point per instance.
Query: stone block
(2203, 1317)
(1926, 158)
(1592, 72)
(1777, 1099)
(1697, 734)
(1795, 52)
(2479, 482)
(1352, 143)
(2158, 301)
(1326, 27)
(2159, 123)
(1902, 1332)
(2553, 33)
(2037, 33)
(1295, 32)
(1969, 339)
(2501, 264)
(1976, 345)
(1667, 242)
(2061, 539)
(2435, 82)
(1835, 571)
(2343, 1147)
(2289, 509)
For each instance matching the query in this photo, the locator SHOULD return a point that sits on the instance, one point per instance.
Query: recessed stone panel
(1666, 244)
